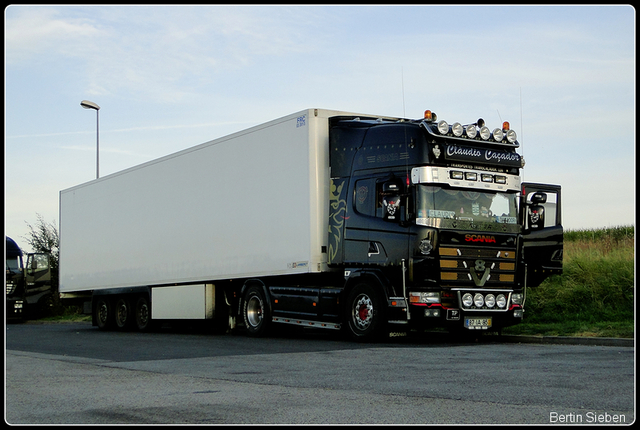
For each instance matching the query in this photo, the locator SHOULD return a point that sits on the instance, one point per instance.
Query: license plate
(477, 323)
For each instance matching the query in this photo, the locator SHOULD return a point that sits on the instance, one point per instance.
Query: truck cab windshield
(438, 203)
(13, 264)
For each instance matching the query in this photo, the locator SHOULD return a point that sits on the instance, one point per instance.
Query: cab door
(38, 276)
(541, 218)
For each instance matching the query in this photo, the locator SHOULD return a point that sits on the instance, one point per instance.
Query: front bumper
(436, 315)
(15, 308)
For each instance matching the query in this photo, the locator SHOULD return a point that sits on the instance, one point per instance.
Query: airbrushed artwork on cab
(337, 212)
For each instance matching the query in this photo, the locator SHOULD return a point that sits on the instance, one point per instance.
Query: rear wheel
(143, 314)
(365, 313)
(102, 314)
(123, 313)
(255, 312)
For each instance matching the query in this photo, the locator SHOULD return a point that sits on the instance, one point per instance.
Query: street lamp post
(91, 105)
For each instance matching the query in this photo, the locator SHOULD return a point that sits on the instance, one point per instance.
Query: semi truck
(28, 288)
(323, 219)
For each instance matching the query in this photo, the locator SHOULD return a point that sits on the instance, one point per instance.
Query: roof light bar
(476, 131)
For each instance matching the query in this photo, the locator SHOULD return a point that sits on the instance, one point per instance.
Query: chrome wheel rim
(362, 312)
(254, 311)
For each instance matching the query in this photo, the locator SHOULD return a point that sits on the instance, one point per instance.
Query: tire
(103, 314)
(365, 313)
(255, 312)
(143, 314)
(123, 315)
(44, 308)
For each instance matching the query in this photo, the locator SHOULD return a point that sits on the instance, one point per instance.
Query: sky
(170, 77)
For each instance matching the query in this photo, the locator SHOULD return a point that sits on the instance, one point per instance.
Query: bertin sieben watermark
(590, 417)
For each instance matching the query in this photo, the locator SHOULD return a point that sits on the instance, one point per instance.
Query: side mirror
(539, 198)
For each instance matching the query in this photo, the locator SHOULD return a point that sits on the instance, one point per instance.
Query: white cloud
(34, 31)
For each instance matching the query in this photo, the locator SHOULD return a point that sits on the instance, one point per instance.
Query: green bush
(594, 295)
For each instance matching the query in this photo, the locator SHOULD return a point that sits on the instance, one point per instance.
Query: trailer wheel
(143, 314)
(122, 313)
(365, 313)
(255, 312)
(102, 314)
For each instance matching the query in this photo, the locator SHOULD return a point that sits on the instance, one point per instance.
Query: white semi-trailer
(320, 218)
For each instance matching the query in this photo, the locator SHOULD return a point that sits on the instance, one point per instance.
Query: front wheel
(365, 313)
(255, 312)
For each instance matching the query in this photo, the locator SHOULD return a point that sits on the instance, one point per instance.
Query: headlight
(490, 300)
(498, 134)
(457, 129)
(424, 297)
(516, 298)
(443, 127)
(478, 300)
(471, 131)
(501, 301)
(467, 300)
(511, 136)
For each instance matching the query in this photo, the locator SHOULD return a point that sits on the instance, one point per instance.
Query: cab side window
(365, 196)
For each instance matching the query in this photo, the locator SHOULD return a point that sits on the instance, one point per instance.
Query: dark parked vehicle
(29, 289)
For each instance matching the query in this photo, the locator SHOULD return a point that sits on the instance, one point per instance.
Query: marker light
(456, 174)
(498, 134)
(443, 127)
(485, 133)
(471, 131)
(457, 129)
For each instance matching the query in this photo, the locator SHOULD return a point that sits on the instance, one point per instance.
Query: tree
(44, 238)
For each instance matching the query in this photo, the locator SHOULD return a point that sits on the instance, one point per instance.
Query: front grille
(479, 267)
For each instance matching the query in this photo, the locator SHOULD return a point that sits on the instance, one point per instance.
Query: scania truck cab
(28, 289)
(437, 218)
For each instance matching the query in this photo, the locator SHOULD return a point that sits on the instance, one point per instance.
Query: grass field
(595, 294)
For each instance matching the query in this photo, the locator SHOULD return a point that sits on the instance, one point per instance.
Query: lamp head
(89, 105)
